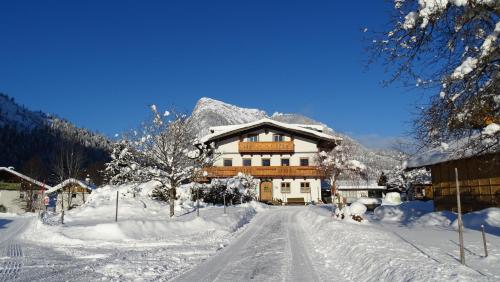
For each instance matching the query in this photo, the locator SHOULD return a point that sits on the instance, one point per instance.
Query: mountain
(30, 140)
(209, 112)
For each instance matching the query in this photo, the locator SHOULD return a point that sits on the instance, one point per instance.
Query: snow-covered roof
(69, 181)
(27, 178)
(311, 130)
(460, 149)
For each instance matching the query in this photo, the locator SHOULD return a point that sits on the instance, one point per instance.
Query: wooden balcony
(285, 147)
(265, 171)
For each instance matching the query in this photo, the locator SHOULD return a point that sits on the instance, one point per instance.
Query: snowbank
(418, 213)
(367, 252)
(140, 218)
(490, 218)
(404, 213)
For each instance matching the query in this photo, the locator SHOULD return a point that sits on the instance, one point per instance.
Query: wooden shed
(478, 178)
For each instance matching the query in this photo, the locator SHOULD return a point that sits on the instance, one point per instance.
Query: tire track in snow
(14, 264)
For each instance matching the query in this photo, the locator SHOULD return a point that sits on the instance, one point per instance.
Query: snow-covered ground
(145, 244)
(398, 249)
(251, 242)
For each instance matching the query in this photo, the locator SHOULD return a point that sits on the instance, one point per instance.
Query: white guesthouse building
(282, 156)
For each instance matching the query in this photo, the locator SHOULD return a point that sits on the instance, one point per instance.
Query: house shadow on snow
(4, 222)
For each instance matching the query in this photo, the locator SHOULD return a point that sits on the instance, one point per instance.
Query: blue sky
(101, 63)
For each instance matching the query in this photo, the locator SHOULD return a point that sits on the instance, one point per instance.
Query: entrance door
(266, 191)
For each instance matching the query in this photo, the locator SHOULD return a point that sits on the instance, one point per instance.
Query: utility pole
(460, 224)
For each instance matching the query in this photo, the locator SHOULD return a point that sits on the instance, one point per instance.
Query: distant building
(354, 191)
(478, 175)
(20, 193)
(282, 156)
(70, 193)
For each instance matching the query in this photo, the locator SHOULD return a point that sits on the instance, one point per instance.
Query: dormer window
(278, 138)
(253, 138)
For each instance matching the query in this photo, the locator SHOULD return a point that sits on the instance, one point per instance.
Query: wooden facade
(479, 180)
(265, 171)
(283, 147)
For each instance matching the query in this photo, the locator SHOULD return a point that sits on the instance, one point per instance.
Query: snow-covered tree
(451, 49)
(245, 184)
(126, 165)
(339, 164)
(401, 179)
(173, 153)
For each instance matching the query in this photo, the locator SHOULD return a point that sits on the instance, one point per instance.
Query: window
(73, 195)
(285, 187)
(21, 195)
(247, 162)
(253, 138)
(266, 162)
(228, 162)
(278, 138)
(304, 187)
(285, 162)
(304, 162)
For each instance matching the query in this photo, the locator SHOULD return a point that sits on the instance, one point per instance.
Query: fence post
(198, 201)
(116, 213)
(224, 202)
(484, 242)
(460, 224)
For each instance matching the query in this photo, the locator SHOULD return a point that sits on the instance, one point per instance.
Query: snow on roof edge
(69, 181)
(447, 152)
(25, 177)
(230, 128)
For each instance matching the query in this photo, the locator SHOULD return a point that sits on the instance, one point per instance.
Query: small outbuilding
(70, 193)
(478, 176)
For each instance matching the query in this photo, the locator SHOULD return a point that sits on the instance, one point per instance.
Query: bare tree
(174, 154)
(68, 163)
(450, 49)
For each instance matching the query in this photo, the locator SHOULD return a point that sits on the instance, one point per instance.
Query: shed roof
(456, 150)
(67, 182)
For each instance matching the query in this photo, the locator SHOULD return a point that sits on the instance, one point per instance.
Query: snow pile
(491, 129)
(490, 218)
(442, 219)
(392, 198)
(369, 201)
(357, 209)
(404, 213)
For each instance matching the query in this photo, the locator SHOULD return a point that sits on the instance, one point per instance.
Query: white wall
(75, 202)
(10, 199)
(304, 148)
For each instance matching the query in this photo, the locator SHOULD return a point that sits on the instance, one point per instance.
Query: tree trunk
(172, 202)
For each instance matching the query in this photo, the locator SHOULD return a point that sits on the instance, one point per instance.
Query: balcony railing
(265, 171)
(266, 147)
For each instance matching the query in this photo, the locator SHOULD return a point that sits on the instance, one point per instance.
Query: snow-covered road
(272, 248)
